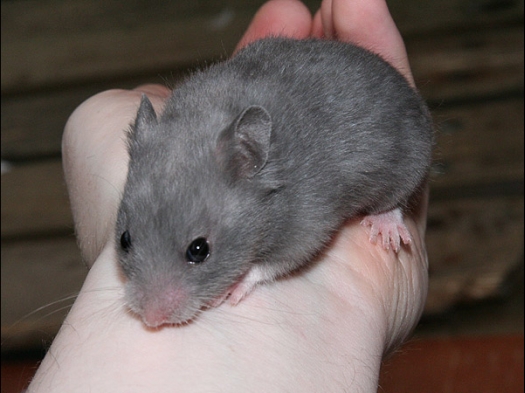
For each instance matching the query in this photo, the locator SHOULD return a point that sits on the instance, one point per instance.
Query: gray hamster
(253, 165)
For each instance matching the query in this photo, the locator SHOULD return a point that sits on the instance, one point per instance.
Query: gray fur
(265, 155)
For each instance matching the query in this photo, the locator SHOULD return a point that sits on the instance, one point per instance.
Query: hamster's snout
(156, 308)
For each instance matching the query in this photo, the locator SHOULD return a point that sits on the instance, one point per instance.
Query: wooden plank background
(472, 365)
(467, 58)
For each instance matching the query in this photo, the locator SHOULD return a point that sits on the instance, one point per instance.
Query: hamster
(255, 163)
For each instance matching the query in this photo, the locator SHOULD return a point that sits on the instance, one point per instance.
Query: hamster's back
(341, 115)
(342, 119)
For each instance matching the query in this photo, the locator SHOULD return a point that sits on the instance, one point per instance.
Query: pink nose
(155, 317)
(161, 308)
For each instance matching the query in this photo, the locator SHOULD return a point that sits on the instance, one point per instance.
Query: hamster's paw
(219, 300)
(390, 226)
(244, 287)
(239, 292)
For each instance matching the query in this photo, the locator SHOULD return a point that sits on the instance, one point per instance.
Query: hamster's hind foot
(391, 227)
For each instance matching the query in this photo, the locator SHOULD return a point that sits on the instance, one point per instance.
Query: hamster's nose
(159, 309)
(155, 317)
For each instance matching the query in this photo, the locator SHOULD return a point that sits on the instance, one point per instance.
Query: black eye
(198, 250)
(125, 241)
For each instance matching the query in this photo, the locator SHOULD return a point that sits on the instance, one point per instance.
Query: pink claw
(391, 227)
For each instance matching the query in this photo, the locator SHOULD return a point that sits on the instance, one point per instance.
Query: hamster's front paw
(234, 295)
(390, 226)
(239, 292)
(246, 285)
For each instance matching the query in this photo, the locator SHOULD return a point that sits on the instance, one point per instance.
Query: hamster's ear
(146, 117)
(243, 147)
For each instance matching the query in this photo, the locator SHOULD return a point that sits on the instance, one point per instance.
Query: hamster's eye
(198, 250)
(125, 241)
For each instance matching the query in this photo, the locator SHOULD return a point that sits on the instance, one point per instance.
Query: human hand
(358, 302)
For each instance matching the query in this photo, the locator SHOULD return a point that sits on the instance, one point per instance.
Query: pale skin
(327, 329)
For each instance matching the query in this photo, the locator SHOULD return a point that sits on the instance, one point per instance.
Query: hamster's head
(191, 213)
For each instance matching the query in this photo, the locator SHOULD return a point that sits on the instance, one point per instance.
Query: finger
(317, 25)
(289, 18)
(327, 20)
(368, 23)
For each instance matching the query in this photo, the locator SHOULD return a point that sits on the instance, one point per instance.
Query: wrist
(284, 336)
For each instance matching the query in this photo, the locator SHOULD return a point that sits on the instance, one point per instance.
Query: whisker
(48, 305)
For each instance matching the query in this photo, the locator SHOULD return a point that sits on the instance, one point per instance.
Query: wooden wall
(467, 58)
